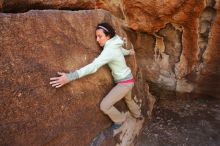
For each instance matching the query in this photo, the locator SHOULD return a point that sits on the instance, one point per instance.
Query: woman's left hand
(58, 82)
(132, 52)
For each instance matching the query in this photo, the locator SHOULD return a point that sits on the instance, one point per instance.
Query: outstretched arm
(65, 78)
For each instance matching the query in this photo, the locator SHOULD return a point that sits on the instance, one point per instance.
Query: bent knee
(104, 107)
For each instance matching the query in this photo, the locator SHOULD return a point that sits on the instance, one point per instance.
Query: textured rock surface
(209, 76)
(176, 43)
(152, 15)
(180, 54)
(116, 7)
(1, 4)
(25, 5)
(179, 51)
(35, 45)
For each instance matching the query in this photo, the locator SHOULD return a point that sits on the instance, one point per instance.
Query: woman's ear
(108, 36)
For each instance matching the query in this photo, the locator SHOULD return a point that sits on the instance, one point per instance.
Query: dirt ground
(183, 122)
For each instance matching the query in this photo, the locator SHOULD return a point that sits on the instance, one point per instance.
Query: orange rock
(35, 45)
(25, 5)
(209, 75)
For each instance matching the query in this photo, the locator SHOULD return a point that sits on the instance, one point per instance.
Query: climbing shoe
(116, 125)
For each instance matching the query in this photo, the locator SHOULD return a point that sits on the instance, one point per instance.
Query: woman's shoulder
(116, 41)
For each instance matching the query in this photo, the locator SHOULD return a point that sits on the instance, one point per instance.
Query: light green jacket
(113, 55)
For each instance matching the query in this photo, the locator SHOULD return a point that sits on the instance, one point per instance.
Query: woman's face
(101, 38)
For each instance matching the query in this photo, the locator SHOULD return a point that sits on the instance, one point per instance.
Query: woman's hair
(107, 29)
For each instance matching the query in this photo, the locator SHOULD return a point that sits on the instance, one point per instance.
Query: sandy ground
(183, 122)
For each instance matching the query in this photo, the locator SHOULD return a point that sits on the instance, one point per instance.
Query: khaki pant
(117, 93)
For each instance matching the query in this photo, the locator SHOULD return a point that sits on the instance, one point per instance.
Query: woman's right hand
(58, 82)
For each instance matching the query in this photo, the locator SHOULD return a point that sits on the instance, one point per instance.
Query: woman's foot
(116, 125)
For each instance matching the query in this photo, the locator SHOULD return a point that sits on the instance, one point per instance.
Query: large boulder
(34, 47)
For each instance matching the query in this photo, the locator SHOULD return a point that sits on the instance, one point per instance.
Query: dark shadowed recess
(24, 6)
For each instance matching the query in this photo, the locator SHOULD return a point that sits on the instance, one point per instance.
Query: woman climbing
(112, 54)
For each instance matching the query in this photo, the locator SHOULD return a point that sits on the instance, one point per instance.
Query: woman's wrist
(72, 76)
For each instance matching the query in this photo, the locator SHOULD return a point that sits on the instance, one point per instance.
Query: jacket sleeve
(104, 58)
(124, 51)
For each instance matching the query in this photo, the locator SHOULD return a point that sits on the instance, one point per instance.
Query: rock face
(209, 75)
(116, 7)
(177, 49)
(174, 54)
(180, 33)
(152, 15)
(25, 5)
(35, 45)
(178, 53)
